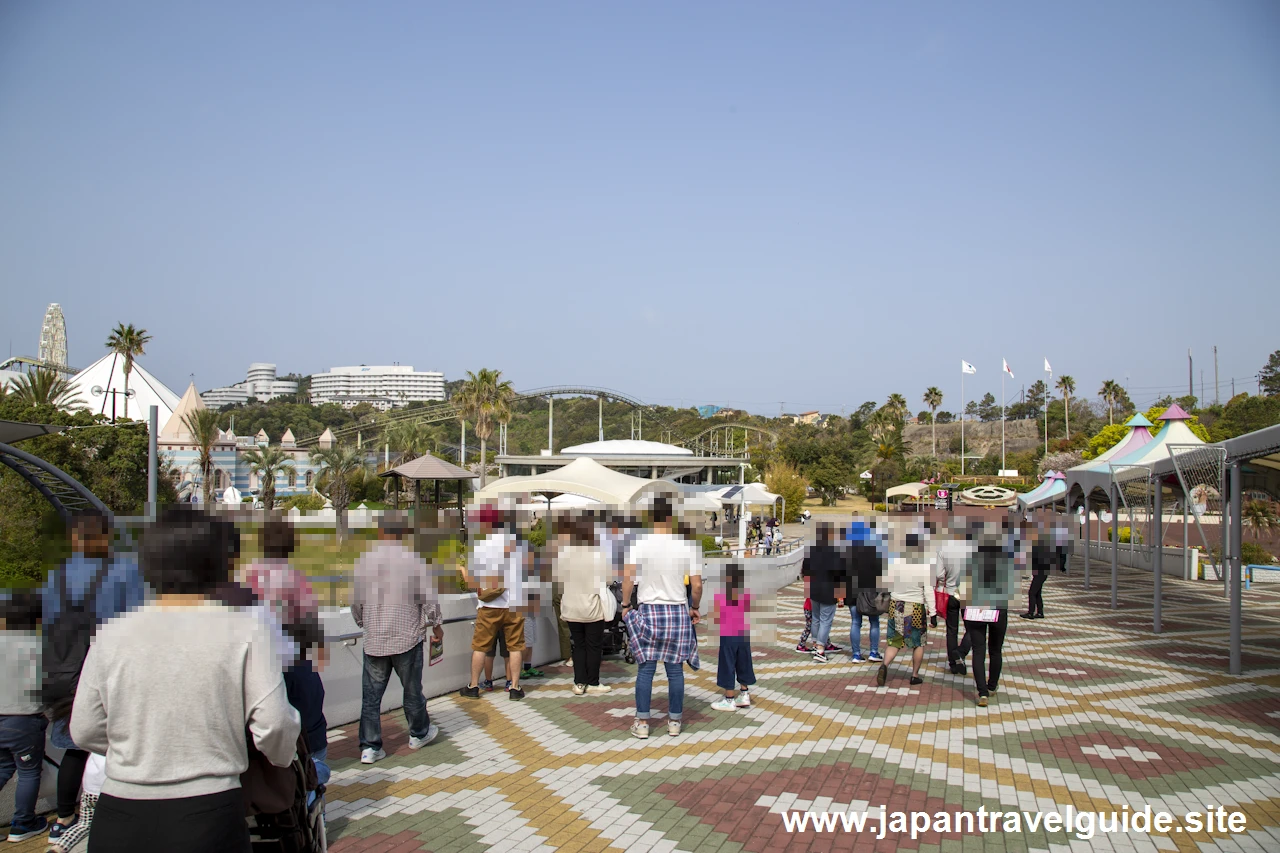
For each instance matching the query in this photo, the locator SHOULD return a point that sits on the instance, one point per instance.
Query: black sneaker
(1026, 616)
(469, 692)
(515, 694)
(959, 669)
(915, 679)
(1038, 616)
(881, 674)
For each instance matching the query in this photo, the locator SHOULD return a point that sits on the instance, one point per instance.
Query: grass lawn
(844, 506)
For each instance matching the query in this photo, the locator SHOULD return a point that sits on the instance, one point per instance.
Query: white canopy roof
(907, 490)
(625, 447)
(584, 477)
(107, 373)
(755, 493)
(1096, 474)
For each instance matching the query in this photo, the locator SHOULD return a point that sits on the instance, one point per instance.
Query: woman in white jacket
(910, 581)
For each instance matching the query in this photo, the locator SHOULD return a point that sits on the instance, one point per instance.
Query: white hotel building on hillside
(383, 386)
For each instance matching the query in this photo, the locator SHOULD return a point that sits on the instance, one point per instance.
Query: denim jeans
(320, 759)
(855, 635)
(823, 616)
(675, 689)
(373, 683)
(22, 751)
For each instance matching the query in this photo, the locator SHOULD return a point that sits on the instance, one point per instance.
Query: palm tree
(44, 387)
(1259, 517)
(410, 438)
(203, 426)
(933, 399)
(1110, 394)
(267, 462)
(485, 399)
(341, 462)
(1067, 386)
(128, 342)
(898, 405)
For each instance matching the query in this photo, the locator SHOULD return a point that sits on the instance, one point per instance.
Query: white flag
(1006, 369)
(1047, 368)
(966, 367)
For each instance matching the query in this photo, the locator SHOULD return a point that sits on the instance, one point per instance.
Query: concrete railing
(1142, 557)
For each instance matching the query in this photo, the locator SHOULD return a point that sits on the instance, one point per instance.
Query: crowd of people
(912, 571)
(183, 683)
(180, 682)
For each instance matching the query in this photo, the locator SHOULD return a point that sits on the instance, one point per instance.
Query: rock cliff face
(979, 438)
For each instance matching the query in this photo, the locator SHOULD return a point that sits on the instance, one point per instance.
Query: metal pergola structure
(65, 493)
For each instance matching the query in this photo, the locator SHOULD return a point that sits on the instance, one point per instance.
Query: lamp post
(99, 391)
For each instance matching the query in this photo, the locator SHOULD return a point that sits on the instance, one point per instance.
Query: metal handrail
(355, 635)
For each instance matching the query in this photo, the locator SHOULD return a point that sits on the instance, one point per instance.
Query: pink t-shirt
(733, 615)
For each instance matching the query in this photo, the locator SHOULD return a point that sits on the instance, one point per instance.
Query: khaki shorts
(492, 621)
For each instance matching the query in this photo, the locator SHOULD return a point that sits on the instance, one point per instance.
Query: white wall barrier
(1142, 557)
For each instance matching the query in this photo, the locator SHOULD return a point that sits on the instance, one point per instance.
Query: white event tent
(585, 478)
(107, 376)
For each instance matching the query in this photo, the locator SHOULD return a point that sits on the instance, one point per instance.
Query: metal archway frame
(65, 493)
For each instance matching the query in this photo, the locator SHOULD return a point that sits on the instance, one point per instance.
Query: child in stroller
(614, 640)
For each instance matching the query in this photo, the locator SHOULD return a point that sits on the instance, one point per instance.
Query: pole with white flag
(1002, 407)
(965, 367)
(1048, 370)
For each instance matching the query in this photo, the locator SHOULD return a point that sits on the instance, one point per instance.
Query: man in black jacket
(862, 588)
(825, 569)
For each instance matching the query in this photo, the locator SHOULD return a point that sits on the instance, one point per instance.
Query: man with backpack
(91, 587)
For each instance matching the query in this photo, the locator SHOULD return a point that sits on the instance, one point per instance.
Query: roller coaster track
(35, 362)
(717, 441)
(449, 412)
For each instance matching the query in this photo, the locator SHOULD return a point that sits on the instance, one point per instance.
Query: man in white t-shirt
(497, 568)
(657, 564)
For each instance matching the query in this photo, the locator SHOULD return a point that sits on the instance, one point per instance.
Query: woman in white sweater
(167, 692)
(583, 567)
(910, 579)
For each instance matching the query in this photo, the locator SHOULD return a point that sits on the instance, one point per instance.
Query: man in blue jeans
(22, 725)
(661, 628)
(866, 567)
(394, 600)
(825, 568)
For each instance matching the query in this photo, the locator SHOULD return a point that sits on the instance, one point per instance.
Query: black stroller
(614, 640)
(300, 827)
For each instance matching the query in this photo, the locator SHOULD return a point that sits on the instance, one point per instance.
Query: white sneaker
(640, 729)
(371, 755)
(420, 742)
(743, 700)
(724, 704)
(673, 727)
(598, 689)
(579, 689)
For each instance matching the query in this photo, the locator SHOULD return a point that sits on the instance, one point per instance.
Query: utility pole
(1216, 399)
(1191, 380)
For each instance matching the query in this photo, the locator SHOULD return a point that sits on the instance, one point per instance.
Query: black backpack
(66, 643)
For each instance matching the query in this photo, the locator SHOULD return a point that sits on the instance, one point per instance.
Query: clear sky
(739, 203)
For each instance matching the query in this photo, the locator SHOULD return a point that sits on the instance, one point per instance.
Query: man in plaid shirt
(394, 601)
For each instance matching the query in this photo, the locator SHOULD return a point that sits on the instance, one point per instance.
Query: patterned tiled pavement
(1093, 712)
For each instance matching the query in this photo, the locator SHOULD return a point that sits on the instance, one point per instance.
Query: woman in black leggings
(987, 637)
(1044, 557)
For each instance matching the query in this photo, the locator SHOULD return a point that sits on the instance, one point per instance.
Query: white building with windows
(260, 384)
(382, 386)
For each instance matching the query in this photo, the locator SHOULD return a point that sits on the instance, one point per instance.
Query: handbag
(608, 602)
(487, 595)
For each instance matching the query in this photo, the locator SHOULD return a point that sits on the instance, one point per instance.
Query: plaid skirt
(662, 632)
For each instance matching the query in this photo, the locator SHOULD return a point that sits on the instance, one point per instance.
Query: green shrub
(709, 544)
(1251, 553)
(879, 508)
(303, 503)
(1126, 534)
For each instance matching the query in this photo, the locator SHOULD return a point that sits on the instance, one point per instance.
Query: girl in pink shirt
(735, 674)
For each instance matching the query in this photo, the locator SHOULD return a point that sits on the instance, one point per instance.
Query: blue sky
(738, 203)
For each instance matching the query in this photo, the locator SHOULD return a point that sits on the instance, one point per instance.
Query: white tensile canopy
(586, 478)
(107, 374)
(751, 493)
(907, 490)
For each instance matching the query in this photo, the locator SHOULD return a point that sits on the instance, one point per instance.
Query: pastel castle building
(229, 467)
